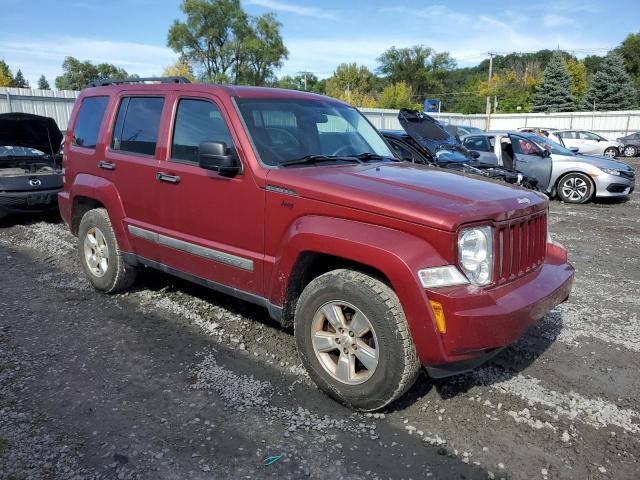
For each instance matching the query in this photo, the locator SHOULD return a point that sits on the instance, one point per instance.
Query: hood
(600, 162)
(416, 193)
(426, 130)
(31, 131)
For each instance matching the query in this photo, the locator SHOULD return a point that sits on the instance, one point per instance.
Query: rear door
(131, 162)
(530, 159)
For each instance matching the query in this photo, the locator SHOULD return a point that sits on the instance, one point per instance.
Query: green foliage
(226, 44)
(578, 73)
(630, 51)
(43, 84)
(397, 95)
(515, 92)
(611, 87)
(554, 93)
(6, 77)
(19, 80)
(306, 82)
(592, 63)
(352, 84)
(77, 75)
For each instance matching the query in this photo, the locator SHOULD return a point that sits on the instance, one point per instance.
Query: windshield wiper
(374, 156)
(318, 158)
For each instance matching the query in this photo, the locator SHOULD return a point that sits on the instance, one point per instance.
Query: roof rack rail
(118, 81)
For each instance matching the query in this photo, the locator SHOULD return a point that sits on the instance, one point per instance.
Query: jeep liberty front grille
(520, 246)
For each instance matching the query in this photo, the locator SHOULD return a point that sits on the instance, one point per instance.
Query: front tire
(100, 255)
(575, 188)
(630, 151)
(611, 152)
(354, 339)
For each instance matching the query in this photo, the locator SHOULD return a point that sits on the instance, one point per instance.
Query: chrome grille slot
(520, 246)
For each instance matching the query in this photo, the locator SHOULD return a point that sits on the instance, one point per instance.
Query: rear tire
(100, 255)
(630, 151)
(611, 152)
(575, 188)
(370, 359)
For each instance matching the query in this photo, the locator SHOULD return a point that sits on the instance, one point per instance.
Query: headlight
(446, 276)
(610, 171)
(475, 254)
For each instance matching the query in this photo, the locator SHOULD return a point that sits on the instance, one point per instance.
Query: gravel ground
(173, 381)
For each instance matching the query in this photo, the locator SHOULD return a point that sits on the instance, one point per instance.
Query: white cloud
(551, 20)
(45, 56)
(292, 8)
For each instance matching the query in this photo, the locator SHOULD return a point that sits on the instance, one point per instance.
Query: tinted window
(478, 144)
(197, 121)
(137, 123)
(524, 147)
(85, 132)
(405, 153)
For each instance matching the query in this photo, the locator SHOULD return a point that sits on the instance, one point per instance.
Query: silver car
(588, 143)
(573, 177)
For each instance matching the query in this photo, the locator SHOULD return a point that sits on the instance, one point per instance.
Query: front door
(212, 227)
(531, 160)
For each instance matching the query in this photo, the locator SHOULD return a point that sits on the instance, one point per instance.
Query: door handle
(106, 165)
(165, 177)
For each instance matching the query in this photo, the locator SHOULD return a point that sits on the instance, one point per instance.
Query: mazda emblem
(34, 182)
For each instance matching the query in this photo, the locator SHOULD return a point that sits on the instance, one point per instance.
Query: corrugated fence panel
(48, 103)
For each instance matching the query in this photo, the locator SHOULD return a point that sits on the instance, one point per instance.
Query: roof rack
(118, 81)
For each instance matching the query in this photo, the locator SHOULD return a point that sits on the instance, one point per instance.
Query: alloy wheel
(344, 342)
(630, 151)
(96, 252)
(610, 153)
(575, 189)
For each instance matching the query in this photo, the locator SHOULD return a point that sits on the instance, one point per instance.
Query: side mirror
(475, 155)
(215, 156)
(545, 153)
(574, 149)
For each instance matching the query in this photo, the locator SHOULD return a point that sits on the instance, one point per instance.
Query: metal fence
(608, 124)
(47, 103)
(58, 105)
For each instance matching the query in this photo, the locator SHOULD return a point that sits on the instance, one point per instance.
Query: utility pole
(305, 73)
(488, 109)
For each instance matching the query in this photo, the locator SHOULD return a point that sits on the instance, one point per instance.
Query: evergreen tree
(43, 84)
(611, 87)
(6, 77)
(19, 80)
(554, 93)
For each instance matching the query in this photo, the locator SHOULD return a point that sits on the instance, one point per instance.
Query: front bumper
(480, 322)
(29, 201)
(613, 185)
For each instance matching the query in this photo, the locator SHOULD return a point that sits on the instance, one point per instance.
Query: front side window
(289, 129)
(137, 124)
(478, 144)
(523, 146)
(588, 136)
(87, 127)
(197, 121)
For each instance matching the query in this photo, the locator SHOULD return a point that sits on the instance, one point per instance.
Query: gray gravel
(170, 380)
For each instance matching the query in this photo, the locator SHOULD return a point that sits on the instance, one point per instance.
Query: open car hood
(30, 131)
(426, 130)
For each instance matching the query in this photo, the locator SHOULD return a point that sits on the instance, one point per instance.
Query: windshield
(452, 153)
(552, 146)
(9, 151)
(284, 130)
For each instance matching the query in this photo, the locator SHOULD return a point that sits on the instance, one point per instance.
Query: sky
(36, 35)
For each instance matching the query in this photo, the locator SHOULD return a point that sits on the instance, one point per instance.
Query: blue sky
(36, 35)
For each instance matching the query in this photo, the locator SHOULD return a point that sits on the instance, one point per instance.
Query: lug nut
(346, 350)
(351, 334)
(337, 340)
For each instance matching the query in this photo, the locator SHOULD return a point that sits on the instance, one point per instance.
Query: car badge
(34, 182)
(524, 200)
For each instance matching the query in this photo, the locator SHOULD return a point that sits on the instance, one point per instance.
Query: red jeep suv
(295, 202)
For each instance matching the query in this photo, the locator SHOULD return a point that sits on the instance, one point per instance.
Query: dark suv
(293, 201)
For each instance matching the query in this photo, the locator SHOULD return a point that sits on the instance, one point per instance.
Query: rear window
(137, 124)
(85, 132)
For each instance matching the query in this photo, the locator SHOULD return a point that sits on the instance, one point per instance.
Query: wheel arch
(573, 171)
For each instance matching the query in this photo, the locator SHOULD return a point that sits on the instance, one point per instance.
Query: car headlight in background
(610, 171)
(475, 254)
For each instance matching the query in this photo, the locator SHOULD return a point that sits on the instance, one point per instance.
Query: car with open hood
(427, 141)
(30, 164)
(295, 202)
(560, 171)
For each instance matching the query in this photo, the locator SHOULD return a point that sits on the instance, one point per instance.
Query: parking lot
(170, 380)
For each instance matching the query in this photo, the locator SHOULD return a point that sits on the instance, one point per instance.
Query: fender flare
(398, 255)
(105, 192)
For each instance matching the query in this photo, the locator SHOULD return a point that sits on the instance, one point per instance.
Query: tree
(611, 87)
(264, 50)
(6, 77)
(305, 81)
(352, 84)
(226, 44)
(578, 73)
(19, 80)
(77, 74)
(397, 95)
(515, 92)
(554, 93)
(592, 64)
(629, 49)
(181, 68)
(43, 84)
